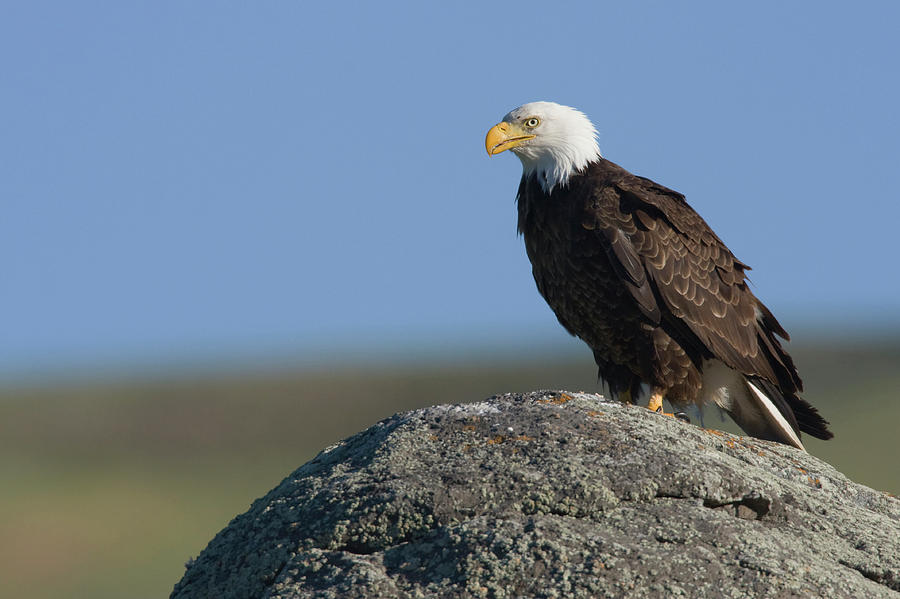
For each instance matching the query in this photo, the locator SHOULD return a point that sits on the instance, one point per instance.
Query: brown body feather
(629, 267)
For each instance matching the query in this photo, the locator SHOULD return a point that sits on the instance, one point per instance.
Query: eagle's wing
(682, 276)
(679, 271)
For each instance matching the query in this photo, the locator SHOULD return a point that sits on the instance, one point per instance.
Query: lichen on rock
(555, 494)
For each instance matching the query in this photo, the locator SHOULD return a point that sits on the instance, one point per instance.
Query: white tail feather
(775, 416)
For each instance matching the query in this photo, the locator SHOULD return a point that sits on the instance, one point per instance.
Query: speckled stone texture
(555, 494)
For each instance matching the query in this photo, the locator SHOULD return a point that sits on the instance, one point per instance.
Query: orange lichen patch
(594, 414)
(815, 482)
(598, 565)
(745, 442)
(433, 437)
(558, 400)
(502, 438)
(730, 443)
(469, 427)
(713, 431)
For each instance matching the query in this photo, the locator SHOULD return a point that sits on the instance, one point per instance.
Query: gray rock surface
(555, 494)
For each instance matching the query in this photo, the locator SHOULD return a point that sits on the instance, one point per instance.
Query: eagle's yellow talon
(656, 405)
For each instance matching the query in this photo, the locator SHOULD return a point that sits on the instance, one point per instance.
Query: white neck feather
(556, 167)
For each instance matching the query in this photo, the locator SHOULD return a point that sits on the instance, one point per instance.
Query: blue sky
(192, 180)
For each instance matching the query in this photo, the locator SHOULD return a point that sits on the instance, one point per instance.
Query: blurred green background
(111, 487)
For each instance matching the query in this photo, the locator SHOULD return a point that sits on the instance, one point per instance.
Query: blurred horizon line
(373, 349)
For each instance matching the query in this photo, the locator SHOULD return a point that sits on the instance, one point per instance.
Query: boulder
(555, 494)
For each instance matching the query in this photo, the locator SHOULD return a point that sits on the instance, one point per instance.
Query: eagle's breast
(576, 277)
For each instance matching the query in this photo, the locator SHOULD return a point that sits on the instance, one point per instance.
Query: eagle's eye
(532, 122)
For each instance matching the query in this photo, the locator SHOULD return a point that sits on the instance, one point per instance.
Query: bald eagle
(630, 268)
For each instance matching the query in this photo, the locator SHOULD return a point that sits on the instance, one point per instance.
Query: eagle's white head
(552, 141)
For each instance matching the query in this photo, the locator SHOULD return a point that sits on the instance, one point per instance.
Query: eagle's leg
(656, 404)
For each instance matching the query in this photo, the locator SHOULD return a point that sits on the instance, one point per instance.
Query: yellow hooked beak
(504, 136)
